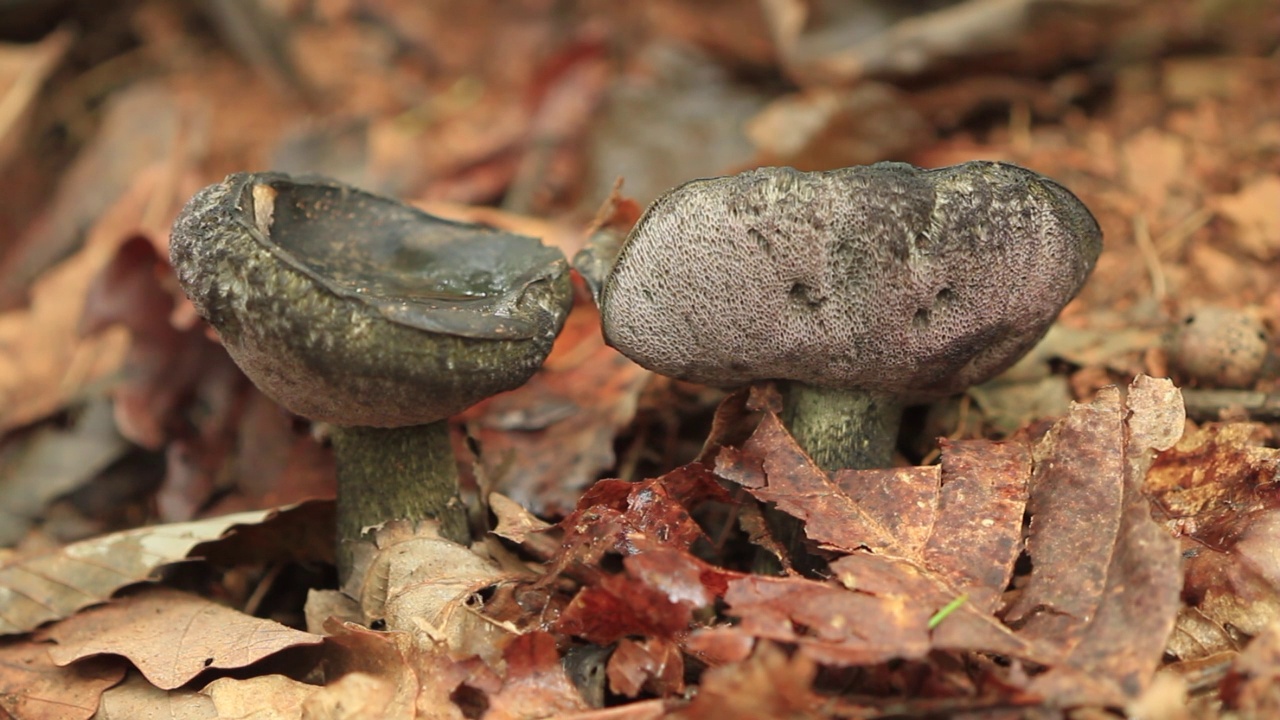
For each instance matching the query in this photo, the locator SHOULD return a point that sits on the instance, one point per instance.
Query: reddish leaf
(652, 665)
(656, 596)
(1104, 590)
(903, 498)
(977, 536)
(535, 684)
(774, 468)
(622, 517)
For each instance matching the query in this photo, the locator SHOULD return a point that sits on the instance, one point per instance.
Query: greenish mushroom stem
(843, 429)
(406, 473)
(839, 429)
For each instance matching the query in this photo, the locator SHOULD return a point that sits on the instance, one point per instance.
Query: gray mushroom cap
(358, 310)
(891, 278)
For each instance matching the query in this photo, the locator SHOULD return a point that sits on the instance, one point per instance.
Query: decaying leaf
(54, 585)
(1216, 488)
(1104, 590)
(171, 636)
(535, 685)
(774, 468)
(651, 664)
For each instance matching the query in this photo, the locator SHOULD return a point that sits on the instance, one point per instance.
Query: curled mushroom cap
(358, 310)
(891, 278)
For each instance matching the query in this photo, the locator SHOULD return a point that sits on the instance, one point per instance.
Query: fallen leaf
(54, 585)
(535, 684)
(145, 131)
(1154, 163)
(1103, 593)
(136, 698)
(773, 467)
(23, 70)
(358, 695)
(656, 595)
(652, 665)
(825, 127)
(266, 697)
(977, 536)
(522, 527)
(32, 687)
(422, 585)
(171, 636)
(392, 676)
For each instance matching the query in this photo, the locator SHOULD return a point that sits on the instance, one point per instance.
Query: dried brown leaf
(23, 71)
(392, 676)
(425, 586)
(136, 698)
(171, 636)
(1256, 214)
(266, 697)
(826, 127)
(32, 687)
(54, 585)
(977, 536)
(1103, 594)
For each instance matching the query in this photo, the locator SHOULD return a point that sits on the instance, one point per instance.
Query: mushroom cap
(358, 310)
(912, 282)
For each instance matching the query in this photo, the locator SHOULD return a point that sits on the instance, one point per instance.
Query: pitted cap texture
(358, 310)
(888, 277)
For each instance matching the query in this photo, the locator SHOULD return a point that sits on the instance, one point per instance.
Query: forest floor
(1088, 535)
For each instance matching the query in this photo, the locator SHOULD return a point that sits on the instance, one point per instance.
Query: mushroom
(362, 312)
(861, 289)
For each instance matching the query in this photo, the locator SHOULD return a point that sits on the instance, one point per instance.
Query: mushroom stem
(396, 473)
(843, 428)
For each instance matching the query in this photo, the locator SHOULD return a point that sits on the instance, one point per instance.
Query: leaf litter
(1015, 577)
